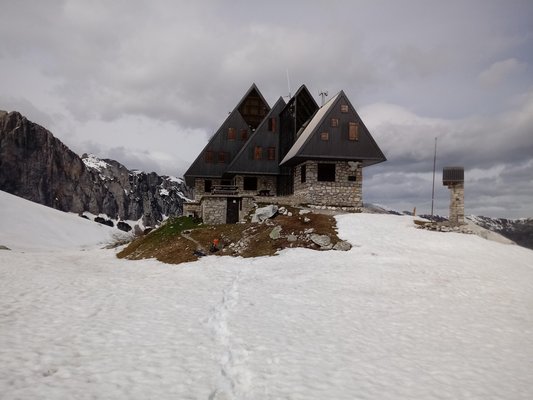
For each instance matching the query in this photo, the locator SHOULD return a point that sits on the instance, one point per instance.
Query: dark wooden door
(232, 211)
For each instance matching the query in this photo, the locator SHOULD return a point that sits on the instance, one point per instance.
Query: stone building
(296, 152)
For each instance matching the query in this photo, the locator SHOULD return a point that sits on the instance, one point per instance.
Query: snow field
(405, 314)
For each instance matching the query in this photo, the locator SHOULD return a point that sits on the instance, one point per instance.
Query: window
(324, 136)
(272, 124)
(232, 133)
(222, 157)
(209, 156)
(226, 182)
(208, 185)
(249, 183)
(271, 153)
(303, 172)
(334, 122)
(258, 152)
(352, 178)
(244, 134)
(353, 131)
(326, 172)
(344, 108)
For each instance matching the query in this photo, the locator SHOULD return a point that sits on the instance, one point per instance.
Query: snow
(405, 314)
(163, 192)
(93, 162)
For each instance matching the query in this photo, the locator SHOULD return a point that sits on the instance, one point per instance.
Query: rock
(104, 221)
(321, 240)
(292, 238)
(342, 246)
(264, 213)
(302, 212)
(309, 230)
(289, 214)
(307, 220)
(2, 247)
(275, 233)
(123, 226)
(282, 210)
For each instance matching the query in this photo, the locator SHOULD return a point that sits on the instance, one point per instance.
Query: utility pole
(434, 165)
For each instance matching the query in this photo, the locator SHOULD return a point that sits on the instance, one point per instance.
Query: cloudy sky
(148, 82)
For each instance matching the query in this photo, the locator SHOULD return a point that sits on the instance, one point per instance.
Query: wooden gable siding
(330, 141)
(209, 162)
(265, 138)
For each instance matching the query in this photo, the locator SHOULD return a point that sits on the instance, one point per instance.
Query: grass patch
(167, 244)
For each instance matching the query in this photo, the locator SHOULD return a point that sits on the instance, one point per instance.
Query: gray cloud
(149, 82)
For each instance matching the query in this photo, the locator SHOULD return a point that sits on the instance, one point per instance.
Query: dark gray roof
(223, 150)
(244, 162)
(310, 146)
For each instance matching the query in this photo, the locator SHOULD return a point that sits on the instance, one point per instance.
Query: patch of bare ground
(169, 245)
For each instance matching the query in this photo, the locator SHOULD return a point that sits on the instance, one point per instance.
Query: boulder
(264, 213)
(321, 240)
(342, 246)
(275, 233)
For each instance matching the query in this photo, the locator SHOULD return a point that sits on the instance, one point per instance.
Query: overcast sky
(147, 82)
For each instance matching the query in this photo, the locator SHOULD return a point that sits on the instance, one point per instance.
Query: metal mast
(433, 189)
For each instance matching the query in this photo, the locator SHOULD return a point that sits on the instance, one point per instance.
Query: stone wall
(214, 210)
(192, 210)
(341, 192)
(457, 204)
(199, 186)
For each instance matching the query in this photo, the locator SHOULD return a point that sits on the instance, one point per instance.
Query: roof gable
(224, 145)
(324, 138)
(266, 137)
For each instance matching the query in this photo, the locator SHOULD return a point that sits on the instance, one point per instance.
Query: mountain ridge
(37, 166)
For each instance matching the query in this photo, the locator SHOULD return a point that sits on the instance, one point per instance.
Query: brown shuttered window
(353, 131)
(222, 157)
(244, 134)
(258, 152)
(232, 134)
(272, 124)
(324, 136)
(334, 122)
(344, 108)
(209, 156)
(271, 153)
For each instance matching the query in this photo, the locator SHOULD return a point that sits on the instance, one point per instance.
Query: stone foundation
(264, 182)
(345, 191)
(214, 208)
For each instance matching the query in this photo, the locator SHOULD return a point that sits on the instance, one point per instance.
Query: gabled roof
(254, 107)
(302, 104)
(264, 137)
(310, 146)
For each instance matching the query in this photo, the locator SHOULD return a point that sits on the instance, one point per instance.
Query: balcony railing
(225, 189)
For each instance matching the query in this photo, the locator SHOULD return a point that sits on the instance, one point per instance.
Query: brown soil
(167, 244)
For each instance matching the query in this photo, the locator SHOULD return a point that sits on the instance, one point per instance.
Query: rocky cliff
(37, 166)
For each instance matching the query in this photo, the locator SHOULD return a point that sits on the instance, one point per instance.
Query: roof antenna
(323, 94)
(289, 83)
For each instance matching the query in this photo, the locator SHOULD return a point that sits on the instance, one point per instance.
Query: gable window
(258, 152)
(303, 173)
(209, 156)
(222, 157)
(344, 108)
(324, 136)
(326, 172)
(249, 183)
(272, 124)
(244, 134)
(334, 122)
(353, 131)
(208, 185)
(232, 133)
(271, 153)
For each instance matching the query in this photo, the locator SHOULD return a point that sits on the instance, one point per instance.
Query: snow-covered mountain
(405, 314)
(37, 166)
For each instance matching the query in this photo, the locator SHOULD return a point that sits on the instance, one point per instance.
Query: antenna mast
(288, 83)
(433, 189)
(323, 94)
